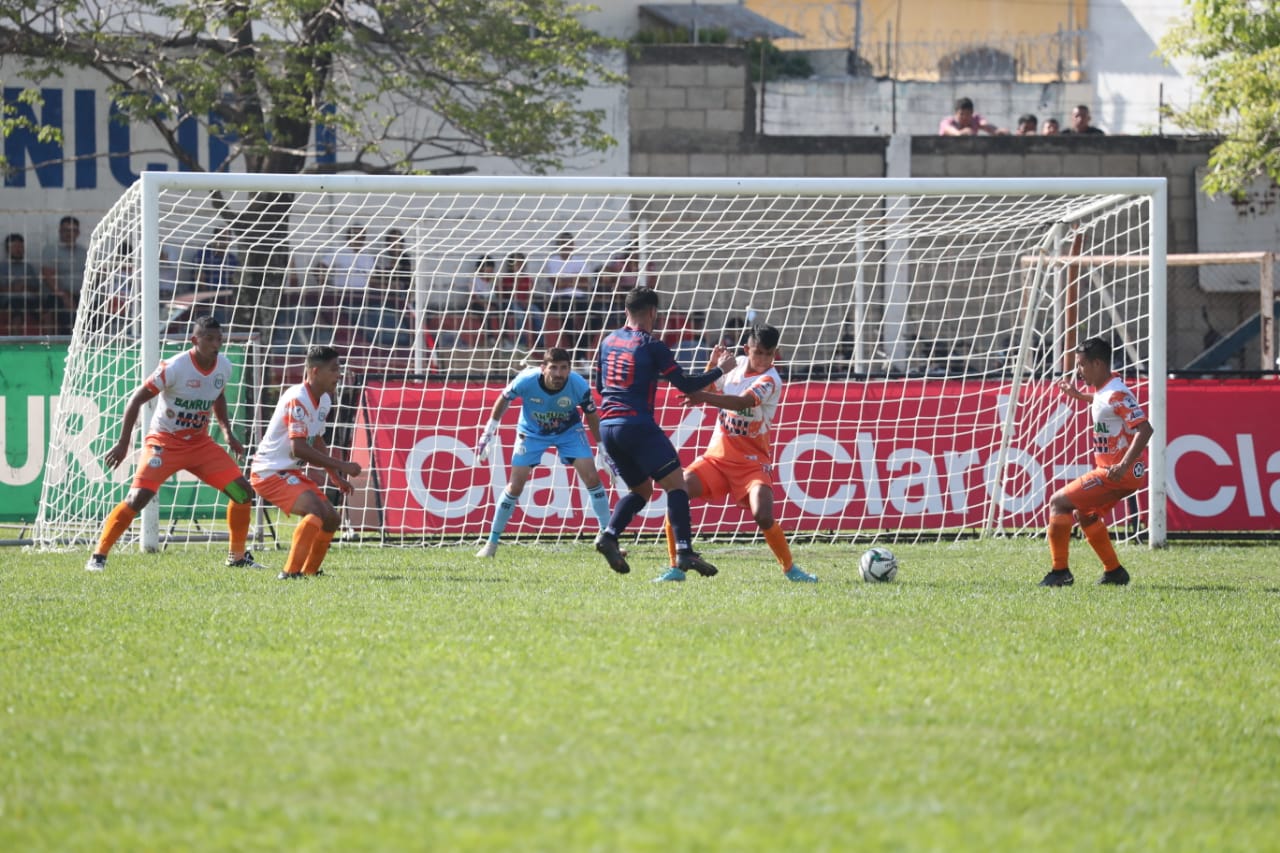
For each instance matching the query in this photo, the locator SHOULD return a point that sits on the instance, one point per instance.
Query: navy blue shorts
(640, 450)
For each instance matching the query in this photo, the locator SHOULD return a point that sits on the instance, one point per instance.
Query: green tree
(404, 84)
(1234, 46)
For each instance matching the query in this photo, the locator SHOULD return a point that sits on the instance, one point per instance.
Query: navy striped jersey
(628, 367)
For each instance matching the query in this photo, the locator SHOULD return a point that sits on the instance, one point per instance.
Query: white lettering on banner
(1246, 466)
(1221, 499)
(497, 469)
(794, 490)
(925, 473)
(1028, 500)
(550, 476)
(79, 443)
(870, 475)
(1249, 471)
(416, 463)
(30, 470)
(958, 464)
(1274, 468)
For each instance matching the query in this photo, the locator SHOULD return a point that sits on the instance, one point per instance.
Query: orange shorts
(1094, 494)
(283, 488)
(723, 478)
(165, 455)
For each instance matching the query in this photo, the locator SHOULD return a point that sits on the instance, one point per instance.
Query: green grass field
(421, 699)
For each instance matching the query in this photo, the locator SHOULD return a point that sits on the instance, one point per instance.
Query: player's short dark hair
(320, 354)
(964, 103)
(205, 323)
(765, 335)
(14, 238)
(69, 220)
(1096, 349)
(641, 298)
(554, 355)
(1028, 118)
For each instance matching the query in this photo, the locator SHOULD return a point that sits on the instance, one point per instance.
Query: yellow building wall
(830, 23)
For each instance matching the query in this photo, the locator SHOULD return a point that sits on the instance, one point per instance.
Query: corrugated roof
(739, 21)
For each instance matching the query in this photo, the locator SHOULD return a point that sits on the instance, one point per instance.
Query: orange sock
(118, 521)
(777, 541)
(1059, 536)
(304, 535)
(671, 543)
(238, 517)
(319, 547)
(1100, 539)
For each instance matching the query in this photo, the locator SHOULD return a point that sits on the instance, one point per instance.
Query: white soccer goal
(923, 325)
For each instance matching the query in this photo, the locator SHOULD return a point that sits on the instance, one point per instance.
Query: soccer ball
(878, 565)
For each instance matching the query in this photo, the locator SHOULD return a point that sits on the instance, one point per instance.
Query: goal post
(924, 323)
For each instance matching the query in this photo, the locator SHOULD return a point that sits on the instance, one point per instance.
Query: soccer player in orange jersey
(738, 463)
(190, 386)
(1120, 434)
(295, 437)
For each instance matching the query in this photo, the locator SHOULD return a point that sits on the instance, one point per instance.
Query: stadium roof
(739, 21)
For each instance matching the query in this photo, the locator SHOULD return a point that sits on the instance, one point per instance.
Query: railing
(1047, 58)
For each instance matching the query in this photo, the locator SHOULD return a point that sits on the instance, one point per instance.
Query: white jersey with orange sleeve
(744, 436)
(297, 415)
(1116, 414)
(186, 394)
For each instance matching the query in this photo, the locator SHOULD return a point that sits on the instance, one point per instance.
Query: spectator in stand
(965, 122)
(352, 265)
(696, 343)
(619, 275)
(30, 311)
(483, 285)
(397, 263)
(1050, 127)
(569, 280)
(1027, 124)
(518, 300)
(385, 319)
(481, 299)
(62, 265)
(216, 266)
(1081, 122)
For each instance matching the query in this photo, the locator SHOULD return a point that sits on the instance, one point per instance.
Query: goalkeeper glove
(490, 430)
(604, 462)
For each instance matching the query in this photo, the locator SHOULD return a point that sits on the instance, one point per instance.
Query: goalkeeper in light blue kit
(551, 396)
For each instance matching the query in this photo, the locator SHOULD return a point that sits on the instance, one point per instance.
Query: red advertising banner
(1223, 455)
(847, 456)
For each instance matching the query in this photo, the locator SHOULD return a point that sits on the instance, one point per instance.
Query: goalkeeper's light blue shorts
(571, 444)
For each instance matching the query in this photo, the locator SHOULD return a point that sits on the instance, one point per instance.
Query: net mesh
(921, 337)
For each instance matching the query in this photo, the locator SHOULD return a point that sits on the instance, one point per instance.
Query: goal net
(924, 324)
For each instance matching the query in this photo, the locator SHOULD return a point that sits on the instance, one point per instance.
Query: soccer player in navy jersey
(629, 365)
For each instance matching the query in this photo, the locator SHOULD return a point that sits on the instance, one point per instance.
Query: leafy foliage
(402, 83)
(1235, 48)
(11, 119)
(769, 62)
